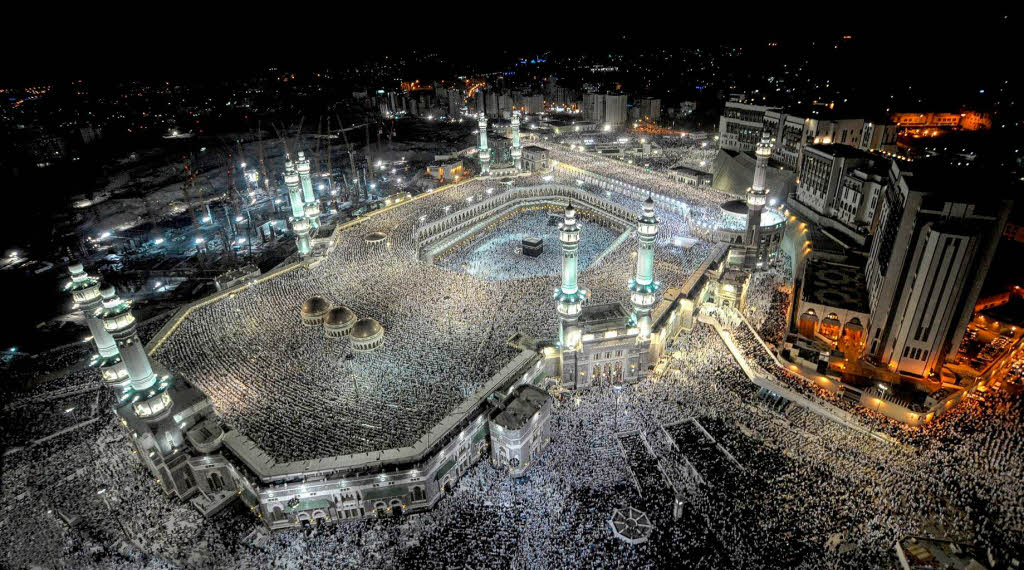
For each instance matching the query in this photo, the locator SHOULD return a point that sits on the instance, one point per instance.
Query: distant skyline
(101, 48)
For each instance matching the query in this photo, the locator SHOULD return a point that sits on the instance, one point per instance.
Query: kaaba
(533, 246)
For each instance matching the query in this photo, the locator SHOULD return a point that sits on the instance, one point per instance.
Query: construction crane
(348, 148)
(190, 182)
(270, 190)
(330, 173)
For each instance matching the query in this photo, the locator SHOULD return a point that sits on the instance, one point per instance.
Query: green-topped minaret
(643, 289)
(569, 296)
(300, 223)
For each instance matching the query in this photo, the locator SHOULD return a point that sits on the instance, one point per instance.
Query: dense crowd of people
(495, 254)
(804, 491)
(445, 329)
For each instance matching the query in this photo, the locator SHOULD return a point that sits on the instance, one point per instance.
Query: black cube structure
(533, 246)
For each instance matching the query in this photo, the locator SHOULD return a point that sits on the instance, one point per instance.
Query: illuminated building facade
(741, 124)
(935, 242)
(839, 187)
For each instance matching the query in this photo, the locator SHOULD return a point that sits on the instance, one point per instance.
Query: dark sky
(178, 41)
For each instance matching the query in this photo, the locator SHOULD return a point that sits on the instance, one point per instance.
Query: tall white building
(842, 183)
(532, 104)
(606, 109)
(740, 125)
(933, 248)
(614, 110)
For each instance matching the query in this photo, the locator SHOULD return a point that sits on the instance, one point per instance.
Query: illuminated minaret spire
(148, 395)
(311, 207)
(484, 152)
(85, 290)
(517, 148)
(300, 224)
(757, 195)
(118, 319)
(643, 289)
(569, 296)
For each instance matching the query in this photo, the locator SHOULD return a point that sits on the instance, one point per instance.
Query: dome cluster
(340, 321)
(314, 311)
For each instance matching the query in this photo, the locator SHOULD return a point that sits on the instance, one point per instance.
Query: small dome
(649, 201)
(76, 268)
(107, 292)
(315, 306)
(339, 316)
(366, 328)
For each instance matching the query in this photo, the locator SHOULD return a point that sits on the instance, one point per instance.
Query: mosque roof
(366, 328)
(338, 316)
(315, 306)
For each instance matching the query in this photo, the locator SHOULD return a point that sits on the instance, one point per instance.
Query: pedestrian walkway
(766, 381)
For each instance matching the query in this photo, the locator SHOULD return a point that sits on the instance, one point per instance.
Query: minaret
(643, 289)
(311, 207)
(484, 152)
(300, 224)
(569, 296)
(517, 148)
(147, 397)
(757, 195)
(85, 291)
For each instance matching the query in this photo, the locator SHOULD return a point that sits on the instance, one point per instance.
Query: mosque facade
(193, 456)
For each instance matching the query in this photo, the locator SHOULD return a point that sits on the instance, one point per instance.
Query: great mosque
(179, 402)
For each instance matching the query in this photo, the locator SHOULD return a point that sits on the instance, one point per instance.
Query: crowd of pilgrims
(495, 254)
(666, 150)
(811, 493)
(445, 330)
(701, 207)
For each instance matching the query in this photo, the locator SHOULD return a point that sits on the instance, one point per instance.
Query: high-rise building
(607, 109)
(532, 104)
(842, 183)
(650, 109)
(938, 230)
(614, 110)
(740, 125)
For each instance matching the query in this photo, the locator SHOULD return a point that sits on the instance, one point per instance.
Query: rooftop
(835, 285)
(525, 402)
(737, 210)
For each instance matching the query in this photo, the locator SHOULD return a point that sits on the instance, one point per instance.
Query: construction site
(198, 212)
